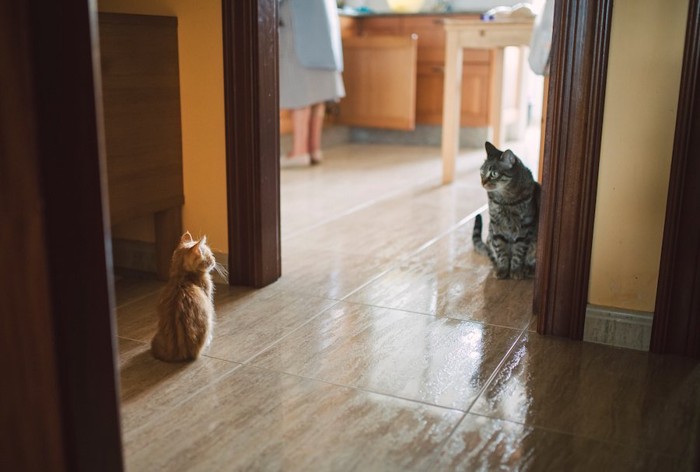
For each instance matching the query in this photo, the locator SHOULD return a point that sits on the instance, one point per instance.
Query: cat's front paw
(502, 273)
(530, 271)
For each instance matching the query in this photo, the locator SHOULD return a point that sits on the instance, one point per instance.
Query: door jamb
(676, 325)
(570, 167)
(252, 140)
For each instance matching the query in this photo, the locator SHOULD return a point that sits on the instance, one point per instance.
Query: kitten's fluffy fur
(514, 198)
(186, 307)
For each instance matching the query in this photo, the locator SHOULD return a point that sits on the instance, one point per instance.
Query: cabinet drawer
(380, 26)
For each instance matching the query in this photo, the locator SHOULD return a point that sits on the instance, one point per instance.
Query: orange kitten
(186, 307)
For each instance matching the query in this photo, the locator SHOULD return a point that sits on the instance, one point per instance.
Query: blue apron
(317, 33)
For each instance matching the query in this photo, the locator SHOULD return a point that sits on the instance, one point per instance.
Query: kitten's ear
(186, 238)
(198, 246)
(508, 158)
(491, 150)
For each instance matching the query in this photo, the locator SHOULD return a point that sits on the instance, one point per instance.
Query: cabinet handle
(438, 69)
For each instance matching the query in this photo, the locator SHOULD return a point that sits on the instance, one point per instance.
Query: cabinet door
(475, 94)
(380, 82)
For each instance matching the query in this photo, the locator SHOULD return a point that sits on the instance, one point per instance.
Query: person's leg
(300, 135)
(315, 129)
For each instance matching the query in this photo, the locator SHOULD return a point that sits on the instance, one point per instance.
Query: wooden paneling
(676, 327)
(380, 82)
(140, 80)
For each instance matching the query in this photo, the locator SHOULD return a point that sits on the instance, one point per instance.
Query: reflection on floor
(388, 345)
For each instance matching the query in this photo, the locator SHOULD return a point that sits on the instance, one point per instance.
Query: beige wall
(646, 51)
(202, 107)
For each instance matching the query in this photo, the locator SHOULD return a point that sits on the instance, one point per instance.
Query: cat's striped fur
(514, 198)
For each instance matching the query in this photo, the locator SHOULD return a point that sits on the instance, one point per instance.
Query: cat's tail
(479, 245)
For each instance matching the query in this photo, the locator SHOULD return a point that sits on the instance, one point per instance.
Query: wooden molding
(676, 327)
(252, 140)
(570, 170)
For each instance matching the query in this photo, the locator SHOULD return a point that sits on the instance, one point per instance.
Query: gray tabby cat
(514, 200)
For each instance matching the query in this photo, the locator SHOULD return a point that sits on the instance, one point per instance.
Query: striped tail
(479, 245)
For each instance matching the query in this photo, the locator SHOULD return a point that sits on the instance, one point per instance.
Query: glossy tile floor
(388, 345)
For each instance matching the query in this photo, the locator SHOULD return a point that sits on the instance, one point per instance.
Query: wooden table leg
(521, 98)
(452, 100)
(496, 102)
(168, 225)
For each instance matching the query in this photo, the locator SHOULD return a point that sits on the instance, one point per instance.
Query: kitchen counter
(351, 12)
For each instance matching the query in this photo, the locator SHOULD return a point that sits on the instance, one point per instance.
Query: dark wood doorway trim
(252, 140)
(676, 326)
(572, 149)
(57, 344)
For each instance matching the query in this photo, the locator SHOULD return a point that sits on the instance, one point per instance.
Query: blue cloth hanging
(317, 34)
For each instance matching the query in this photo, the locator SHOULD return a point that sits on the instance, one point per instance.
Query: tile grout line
(575, 435)
(134, 300)
(274, 343)
(439, 316)
(171, 408)
(498, 368)
(441, 447)
(356, 388)
(421, 248)
(391, 267)
(415, 188)
(358, 207)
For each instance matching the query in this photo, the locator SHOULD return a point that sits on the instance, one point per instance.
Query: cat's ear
(491, 150)
(508, 158)
(186, 238)
(197, 247)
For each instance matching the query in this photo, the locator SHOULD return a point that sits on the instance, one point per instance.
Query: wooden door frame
(577, 82)
(57, 341)
(676, 325)
(251, 91)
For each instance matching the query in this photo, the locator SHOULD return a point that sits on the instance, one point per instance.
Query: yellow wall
(202, 107)
(646, 52)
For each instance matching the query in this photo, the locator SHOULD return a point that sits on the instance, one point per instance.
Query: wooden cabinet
(380, 82)
(429, 70)
(141, 108)
(394, 74)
